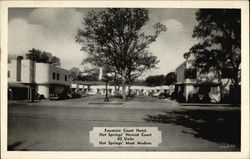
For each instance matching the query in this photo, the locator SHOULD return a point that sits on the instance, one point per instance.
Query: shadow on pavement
(216, 126)
(14, 146)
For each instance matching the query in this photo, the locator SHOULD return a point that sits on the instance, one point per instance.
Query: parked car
(141, 93)
(150, 93)
(91, 93)
(53, 96)
(39, 96)
(163, 95)
(63, 95)
(156, 94)
(76, 95)
(83, 94)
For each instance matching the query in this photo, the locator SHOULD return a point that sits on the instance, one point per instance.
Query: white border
(243, 5)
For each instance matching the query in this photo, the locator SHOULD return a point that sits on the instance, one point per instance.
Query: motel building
(99, 87)
(192, 86)
(45, 79)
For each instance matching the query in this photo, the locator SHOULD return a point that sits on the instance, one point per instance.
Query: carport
(18, 91)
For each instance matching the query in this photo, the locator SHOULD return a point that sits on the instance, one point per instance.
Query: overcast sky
(54, 30)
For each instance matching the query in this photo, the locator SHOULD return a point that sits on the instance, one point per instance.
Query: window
(190, 73)
(54, 75)
(58, 76)
(8, 74)
(65, 77)
(214, 90)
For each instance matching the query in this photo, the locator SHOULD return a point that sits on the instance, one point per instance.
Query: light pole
(107, 77)
(32, 78)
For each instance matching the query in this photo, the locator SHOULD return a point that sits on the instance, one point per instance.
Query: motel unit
(193, 86)
(99, 87)
(46, 79)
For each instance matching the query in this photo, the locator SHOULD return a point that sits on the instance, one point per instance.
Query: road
(65, 125)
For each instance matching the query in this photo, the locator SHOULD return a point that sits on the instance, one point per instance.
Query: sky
(54, 30)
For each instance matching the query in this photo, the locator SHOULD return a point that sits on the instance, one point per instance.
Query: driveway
(65, 125)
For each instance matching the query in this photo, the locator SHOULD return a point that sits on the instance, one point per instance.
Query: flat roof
(19, 85)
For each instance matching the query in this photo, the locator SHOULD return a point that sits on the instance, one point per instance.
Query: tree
(34, 54)
(55, 61)
(156, 80)
(170, 78)
(43, 57)
(219, 31)
(113, 39)
(220, 48)
(74, 73)
(89, 74)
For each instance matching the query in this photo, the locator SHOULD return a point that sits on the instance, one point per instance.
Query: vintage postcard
(124, 79)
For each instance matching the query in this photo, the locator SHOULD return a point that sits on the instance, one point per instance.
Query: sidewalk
(209, 104)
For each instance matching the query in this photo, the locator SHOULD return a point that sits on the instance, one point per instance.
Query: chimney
(18, 67)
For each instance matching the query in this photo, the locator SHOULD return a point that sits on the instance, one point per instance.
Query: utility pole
(106, 96)
(32, 78)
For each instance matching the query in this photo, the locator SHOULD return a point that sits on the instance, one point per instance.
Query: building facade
(46, 79)
(99, 87)
(192, 86)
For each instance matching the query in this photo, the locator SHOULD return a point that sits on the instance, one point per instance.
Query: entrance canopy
(207, 84)
(17, 85)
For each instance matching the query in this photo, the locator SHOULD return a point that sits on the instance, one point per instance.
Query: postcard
(124, 79)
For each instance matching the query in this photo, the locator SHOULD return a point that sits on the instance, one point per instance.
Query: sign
(125, 137)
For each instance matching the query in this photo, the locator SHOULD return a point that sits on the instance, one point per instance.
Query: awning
(198, 84)
(18, 85)
(207, 84)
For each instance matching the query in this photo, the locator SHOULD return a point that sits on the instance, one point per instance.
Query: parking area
(65, 124)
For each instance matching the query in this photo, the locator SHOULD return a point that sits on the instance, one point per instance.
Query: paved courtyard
(65, 125)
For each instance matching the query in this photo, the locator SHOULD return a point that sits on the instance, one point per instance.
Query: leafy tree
(156, 80)
(74, 73)
(113, 39)
(89, 74)
(139, 82)
(219, 31)
(34, 54)
(170, 78)
(43, 57)
(55, 61)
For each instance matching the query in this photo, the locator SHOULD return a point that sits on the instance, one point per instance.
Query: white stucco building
(46, 78)
(191, 82)
(99, 87)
